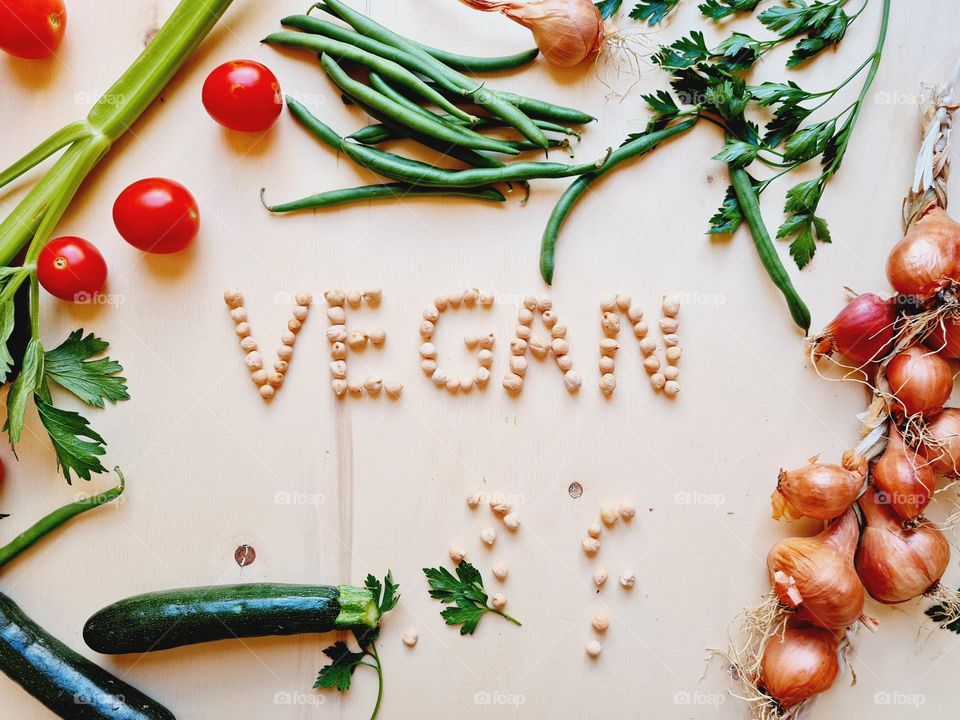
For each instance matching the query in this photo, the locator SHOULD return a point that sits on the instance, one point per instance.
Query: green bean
(537, 109)
(388, 68)
(380, 133)
(462, 63)
(636, 147)
(417, 122)
(487, 100)
(318, 129)
(398, 191)
(413, 172)
(468, 63)
(750, 209)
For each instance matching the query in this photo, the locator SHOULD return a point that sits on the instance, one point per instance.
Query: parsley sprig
(344, 661)
(464, 596)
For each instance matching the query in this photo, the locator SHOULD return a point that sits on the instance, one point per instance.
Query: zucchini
(174, 618)
(63, 680)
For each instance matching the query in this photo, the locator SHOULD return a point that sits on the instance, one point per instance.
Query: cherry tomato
(71, 268)
(32, 28)
(156, 215)
(243, 95)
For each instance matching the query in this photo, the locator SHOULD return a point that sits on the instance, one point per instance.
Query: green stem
(379, 669)
(59, 140)
(750, 209)
(57, 518)
(507, 617)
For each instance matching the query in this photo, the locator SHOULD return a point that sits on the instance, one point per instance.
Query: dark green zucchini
(173, 618)
(66, 682)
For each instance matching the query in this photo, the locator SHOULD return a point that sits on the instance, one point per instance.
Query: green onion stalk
(33, 220)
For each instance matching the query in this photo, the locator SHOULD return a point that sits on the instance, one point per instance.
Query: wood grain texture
(327, 491)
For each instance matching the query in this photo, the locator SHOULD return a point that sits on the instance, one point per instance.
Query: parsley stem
(51, 522)
(507, 617)
(379, 669)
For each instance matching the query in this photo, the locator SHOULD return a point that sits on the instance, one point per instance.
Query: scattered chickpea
(248, 343)
(607, 365)
(470, 341)
(466, 384)
(513, 383)
(431, 313)
(673, 354)
(285, 352)
(487, 341)
(253, 360)
(594, 649)
(609, 347)
(609, 515)
(671, 340)
(393, 388)
(267, 392)
(410, 638)
(559, 347)
(281, 366)
(599, 577)
(440, 302)
(524, 316)
(518, 346)
(355, 387)
(530, 303)
(303, 299)
(275, 379)
(288, 337)
(635, 313)
(457, 554)
(623, 302)
(337, 333)
(259, 377)
(610, 323)
(455, 299)
(233, 299)
(600, 623)
(453, 385)
(594, 530)
(378, 336)
(439, 377)
(669, 325)
(671, 372)
(549, 318)
(357, 340)
(239, 314)
(499, 601)
(338, 351)
(608, 304)
(486, 299)
(591, 546)
(428, 351)
(426, 329)
(651, 364)
(336, 315)
(338, 369)
(428, 366)
(473, 499)
(353, 299)
(564, 362)
(372, 296)
(242, 329)
(572, 380)
(488, 535)
(628, 578)
(334, 297)
(648, 346)
(523, 332)
(300, 312)
(294, 325)
(539, 346)
(499, 505)
(500, 571)
(544, 303)
(518, 364)
(511, 521)
(558, 331)
(470, 297)
(670, 306)
(640, 330)
(608, 383)
(627, 509)
(483, 376)
(339, 387)
(671, 388)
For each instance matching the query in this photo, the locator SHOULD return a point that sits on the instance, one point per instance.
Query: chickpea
(564, 362)
(558, 331)
(593, 530)
(640, 330)
(608, 383)
(549, 318)
(523, 332)
(518, 346)
(511, 521)
(591, 546)
(524, 316)
(378, 336)
(488, 535)
(608, 304)
(669, 325)
(513, 383)
(483, 376)
(610, 324)
(539, 346)
(410, 638)
(499, 601)
(233, 299)
(609, 515)
(658, 381)
(457, 554)
(600, 623)
(393, 389)
(470, 297)
(670, 306)
(239, 314)
(673, 354)
(627, 509)
(336, 315)
(428, 366)
(267, 391)
(426, 329)
(334, 297)
(455, 299)
(628, 578)
(559, 347)
(651, 364)
(609, 347)
(339, 387)
(485, 358)
(572, 380)
(594, 649)
(635, 313)
(338, 351)
(353, 299)
(671, 388)
(607, 365)
(372, 296)
(303, 299)
(599, 577)
(500, 571)
(518, 364)
(357, 340)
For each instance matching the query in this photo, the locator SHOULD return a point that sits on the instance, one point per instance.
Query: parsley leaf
(720, 9)
(737, 153)
(28, 382)
(67, 431)
(608, 8)
(93, 381)
(653, 12)
(339, 673)
(464, 596)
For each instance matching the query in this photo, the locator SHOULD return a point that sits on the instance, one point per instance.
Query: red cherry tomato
(71, 268)
(32, 28)
(156, 215)
(243, 95)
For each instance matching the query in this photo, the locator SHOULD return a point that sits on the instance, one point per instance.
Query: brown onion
(568, 32)
(862, 331)
(928, 257)
(945, 339)
(941, 443)
(920, 380)
(895, 563)
(904, 477)
(818, 491)
(800, 663)
(815, 575)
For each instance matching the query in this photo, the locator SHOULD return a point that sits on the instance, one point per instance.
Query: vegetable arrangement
(175, 618)
(709, 84)
(71, 267)
(878, 541)
(403, 77)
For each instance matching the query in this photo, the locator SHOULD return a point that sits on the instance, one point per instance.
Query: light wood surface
(328, 491)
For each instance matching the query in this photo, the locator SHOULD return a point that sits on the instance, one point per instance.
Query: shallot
(799, 663)
(817, 491)
(862, 331)
(920, 381)
(903, 477)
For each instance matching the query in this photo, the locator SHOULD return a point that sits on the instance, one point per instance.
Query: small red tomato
(156, 215)
(243, 95)
(71, 268)
(32, 28)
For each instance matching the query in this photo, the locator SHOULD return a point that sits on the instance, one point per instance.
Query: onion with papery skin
(819, 491)
(941, 442)
(927, 259)
(945, 339)
(862, 331)
(895, 563)
(568, 32)
(904, 477)
(815, 575)
(920, 381)
(800, 663)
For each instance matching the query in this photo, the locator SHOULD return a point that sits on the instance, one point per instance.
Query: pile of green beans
(420, 93)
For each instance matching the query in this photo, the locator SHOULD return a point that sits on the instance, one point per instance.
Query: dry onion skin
(568, 32)
(920, 380)
(862, 332)
(941, 442)
(927, 259)
(799, 663)
(815, 575)
(904, 477)
(818, 490)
